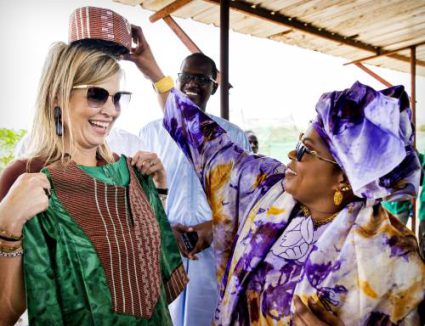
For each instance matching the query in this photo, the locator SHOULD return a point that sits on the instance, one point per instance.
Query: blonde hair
(66, 66)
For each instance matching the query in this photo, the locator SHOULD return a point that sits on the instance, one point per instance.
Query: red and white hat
(100, 25)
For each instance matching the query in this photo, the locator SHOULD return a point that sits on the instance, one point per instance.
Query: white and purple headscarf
(370, 135)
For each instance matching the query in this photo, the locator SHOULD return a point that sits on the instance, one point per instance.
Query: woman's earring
(57, 113)
(338, 196)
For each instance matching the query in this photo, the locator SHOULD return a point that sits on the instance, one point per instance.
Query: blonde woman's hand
(28, 196)
(150, 164)
(143, 57)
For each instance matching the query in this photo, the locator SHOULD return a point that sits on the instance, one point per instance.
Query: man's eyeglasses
(97, 96)
(301, 149)
(200, 79)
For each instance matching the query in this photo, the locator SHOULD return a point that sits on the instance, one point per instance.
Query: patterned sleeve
(233, 179)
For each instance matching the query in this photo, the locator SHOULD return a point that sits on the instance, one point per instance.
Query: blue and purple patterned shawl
(370, 135)
(364, 266)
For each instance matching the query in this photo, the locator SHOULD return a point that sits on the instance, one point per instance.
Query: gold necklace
(324, 221)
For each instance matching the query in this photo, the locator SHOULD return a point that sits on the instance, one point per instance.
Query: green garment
(64, 279)
(402, 209)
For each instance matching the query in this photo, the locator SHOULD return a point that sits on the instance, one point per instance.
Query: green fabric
(114, 174)
(398, 207)
(65, 282)
(403, 208)
(421, 213)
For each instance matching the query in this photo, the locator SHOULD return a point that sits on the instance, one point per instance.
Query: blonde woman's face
(90, 125)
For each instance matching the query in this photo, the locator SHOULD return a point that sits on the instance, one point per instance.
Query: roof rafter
(168, 10)
(276, 17)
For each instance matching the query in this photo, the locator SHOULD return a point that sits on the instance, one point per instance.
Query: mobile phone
(189, 240)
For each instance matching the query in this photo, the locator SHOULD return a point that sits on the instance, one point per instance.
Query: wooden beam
(224, 58)
(405, 59)
(278, 18)
(373, 74)
(168, 10)
(385, 53)
(186, 40)
(181, 34)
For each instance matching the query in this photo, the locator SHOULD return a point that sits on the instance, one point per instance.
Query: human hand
(421, 237)
(28, 196)
(205, 236)
(178, 230)
(150, 164)
(143, 57)
(313, 314)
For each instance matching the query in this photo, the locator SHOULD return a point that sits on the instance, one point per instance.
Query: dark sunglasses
(301, 149)
(98, 96)
(200, 79)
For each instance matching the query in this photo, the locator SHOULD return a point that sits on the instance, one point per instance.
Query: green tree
(8, 140)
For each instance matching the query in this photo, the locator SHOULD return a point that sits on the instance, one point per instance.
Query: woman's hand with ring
(150, 164)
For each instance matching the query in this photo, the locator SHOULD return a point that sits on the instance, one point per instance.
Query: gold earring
(338, 196)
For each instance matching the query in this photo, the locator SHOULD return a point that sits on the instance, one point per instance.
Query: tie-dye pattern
(363, 266)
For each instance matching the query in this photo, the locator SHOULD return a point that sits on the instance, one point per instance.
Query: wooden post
(413, 104)
(224, 59)
(181, 34)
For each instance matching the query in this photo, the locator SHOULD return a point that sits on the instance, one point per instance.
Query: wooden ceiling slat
(338, 9)
(360, 13)
(368, 21)
(155, 5)
(397, 27)
(334, 9)
(390, 41)
(191, 9)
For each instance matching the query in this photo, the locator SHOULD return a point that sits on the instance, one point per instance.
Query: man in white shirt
(186, 203)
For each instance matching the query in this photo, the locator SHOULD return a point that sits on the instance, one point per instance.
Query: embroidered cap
(100, 28)
(370, 135)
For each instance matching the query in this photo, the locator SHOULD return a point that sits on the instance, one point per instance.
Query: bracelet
(162, 191)
(7, 249)
(164, 85)
(12, 254)
(7, 236)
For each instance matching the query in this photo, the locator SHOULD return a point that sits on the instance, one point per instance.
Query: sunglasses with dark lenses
(301, 149)
(200, 79)
(98, 96)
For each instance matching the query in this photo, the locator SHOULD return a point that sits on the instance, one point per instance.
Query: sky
(274, 84)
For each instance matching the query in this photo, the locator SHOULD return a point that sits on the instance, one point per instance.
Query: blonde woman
(83, 236)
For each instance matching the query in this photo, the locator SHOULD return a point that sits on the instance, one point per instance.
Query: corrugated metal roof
(343, 28)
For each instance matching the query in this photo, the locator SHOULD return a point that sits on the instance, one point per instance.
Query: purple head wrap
(370, 135)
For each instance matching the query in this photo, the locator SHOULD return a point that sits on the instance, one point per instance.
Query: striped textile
(124, 232)
(99, 23)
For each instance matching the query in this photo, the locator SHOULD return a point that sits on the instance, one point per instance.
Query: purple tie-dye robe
(364, 266)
